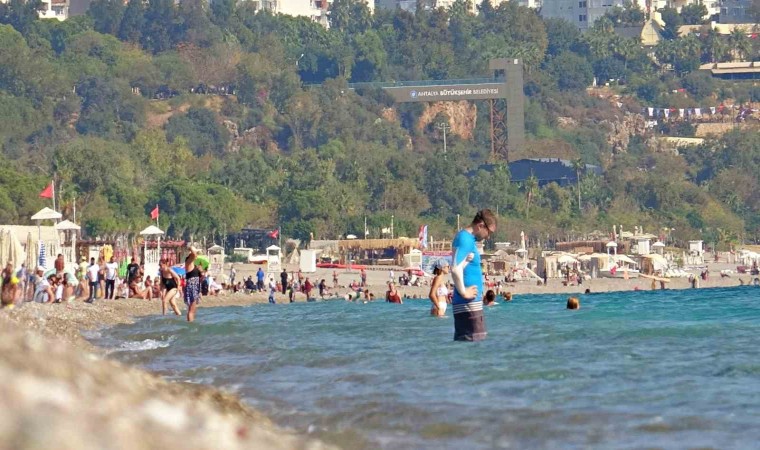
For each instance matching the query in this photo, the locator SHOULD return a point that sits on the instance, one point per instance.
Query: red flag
(48, 192)
(274, 234)
(154, 213)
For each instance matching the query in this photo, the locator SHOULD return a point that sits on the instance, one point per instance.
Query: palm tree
(577, 167)
(531, 184)
(740, 44)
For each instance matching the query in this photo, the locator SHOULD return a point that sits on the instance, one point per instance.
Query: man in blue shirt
(260, 280)
(467, 303)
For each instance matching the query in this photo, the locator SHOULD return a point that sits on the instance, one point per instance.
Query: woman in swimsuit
(439, 292)
(169, 288)
(192, 284)
(10, 289)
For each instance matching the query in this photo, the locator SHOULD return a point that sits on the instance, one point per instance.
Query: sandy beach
(61, 392)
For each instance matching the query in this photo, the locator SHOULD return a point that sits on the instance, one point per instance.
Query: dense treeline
(112, 105)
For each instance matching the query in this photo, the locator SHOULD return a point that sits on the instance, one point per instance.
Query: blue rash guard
(463, 245)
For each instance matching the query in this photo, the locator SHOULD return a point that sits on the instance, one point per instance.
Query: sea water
(669, 369)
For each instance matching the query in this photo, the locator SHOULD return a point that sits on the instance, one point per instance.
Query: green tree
(673, 22)
(20, 14)
(573, 72)
(132, 22)
(740, 44)
(222, 11)
(201, 129)
(106, 15)
(160, 16)
(694, 14)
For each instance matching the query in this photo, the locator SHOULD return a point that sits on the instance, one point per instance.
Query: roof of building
(720, 28)
(732, 67)
(648, 34)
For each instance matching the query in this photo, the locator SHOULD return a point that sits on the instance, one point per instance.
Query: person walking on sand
(169, 288)
(469, 324)
(233, 273)
(111, 269)
(284, 281)
(92, 278)
(192, 284)
(439, 293)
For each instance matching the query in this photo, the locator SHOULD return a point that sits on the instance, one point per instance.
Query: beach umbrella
(29, 253)
(14, 250)
(3, 255)
(566, 259)
(202, 261)
(42, 261)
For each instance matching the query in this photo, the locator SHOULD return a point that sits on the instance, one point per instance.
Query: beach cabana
(151, 256)
(611, 248)
(68, 230)
(659, 248)
(652, 263)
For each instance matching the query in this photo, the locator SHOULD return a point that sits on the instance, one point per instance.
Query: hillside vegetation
(227, 117)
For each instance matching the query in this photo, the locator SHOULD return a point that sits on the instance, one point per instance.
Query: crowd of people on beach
(465, 294)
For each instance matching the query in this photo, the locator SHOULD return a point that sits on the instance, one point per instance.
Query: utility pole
(443, 126)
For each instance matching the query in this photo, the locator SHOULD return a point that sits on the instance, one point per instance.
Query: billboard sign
(444, 93)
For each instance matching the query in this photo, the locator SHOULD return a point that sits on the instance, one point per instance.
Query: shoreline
(44, 346)
(61, 391)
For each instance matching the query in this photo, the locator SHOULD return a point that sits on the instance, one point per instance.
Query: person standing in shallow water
(439, 292)
(192, 284)
(467, 303)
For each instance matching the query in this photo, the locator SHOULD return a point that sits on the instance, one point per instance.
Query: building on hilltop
(411, 5)
(736, 11)
(581, 13)
(316, 10)
(548, 170)
(54, 9)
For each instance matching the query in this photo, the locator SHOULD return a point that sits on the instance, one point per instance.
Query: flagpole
(52, 183)
(157, 214)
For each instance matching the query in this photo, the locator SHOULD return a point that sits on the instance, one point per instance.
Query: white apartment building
(316, 10)
(411, 5)
(582, 13)
(54, 9)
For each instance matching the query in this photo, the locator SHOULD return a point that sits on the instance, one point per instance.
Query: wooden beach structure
(376, 251)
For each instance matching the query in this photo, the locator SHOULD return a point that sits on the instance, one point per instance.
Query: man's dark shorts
(469, 326)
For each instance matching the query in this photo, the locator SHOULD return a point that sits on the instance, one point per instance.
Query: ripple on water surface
(668, 369)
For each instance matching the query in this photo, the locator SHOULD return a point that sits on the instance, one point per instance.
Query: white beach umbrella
(566, 259)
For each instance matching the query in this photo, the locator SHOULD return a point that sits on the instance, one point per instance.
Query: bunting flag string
(689, 113)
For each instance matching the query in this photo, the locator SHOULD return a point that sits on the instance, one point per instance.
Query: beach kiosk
(274, 259)
(68, 231)
(413, 259)
(151, 256)
(216, 258)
